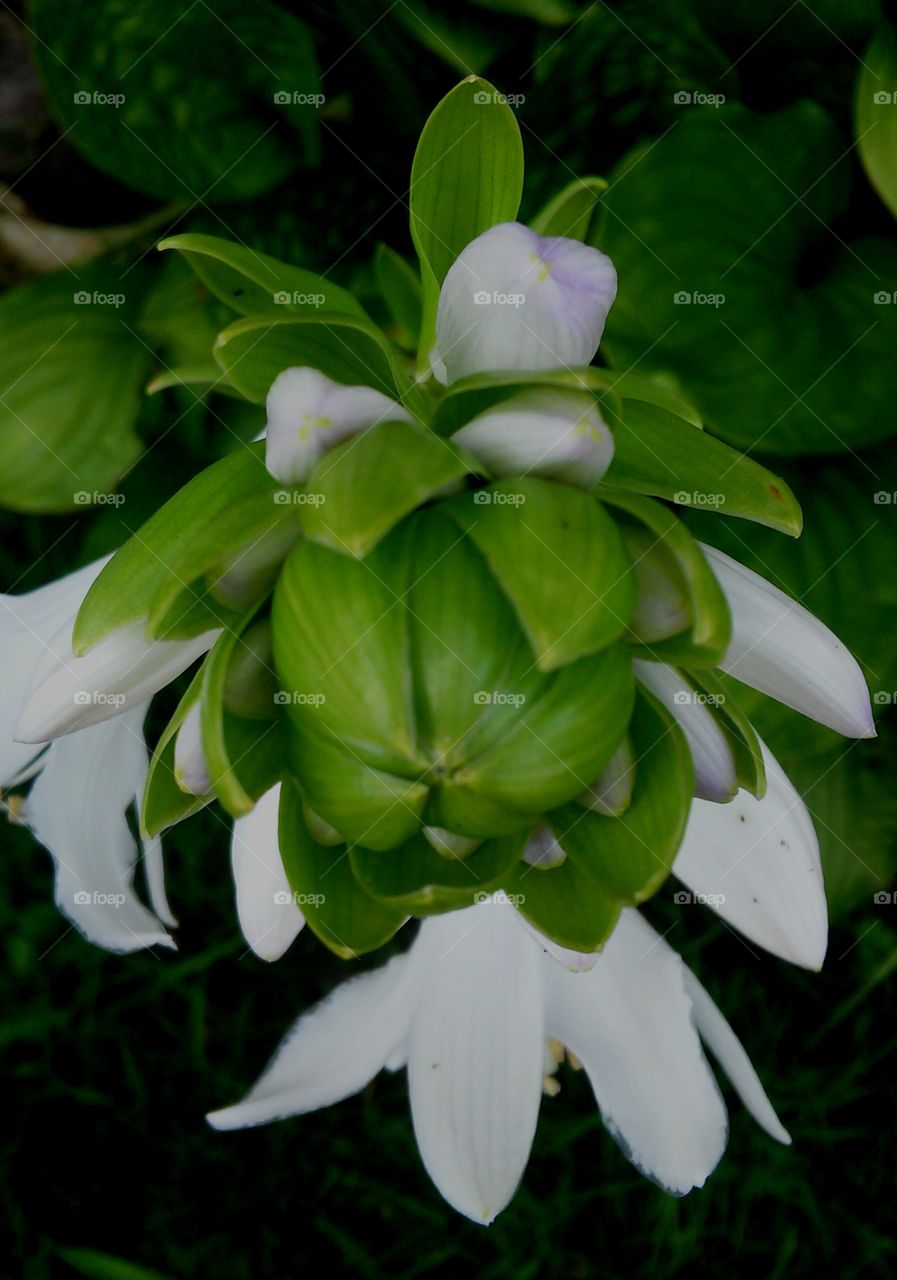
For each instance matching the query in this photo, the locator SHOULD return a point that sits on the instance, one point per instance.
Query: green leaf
(400, 286)
(71, 373)
(471, 396)
(417, 880)
(256, 284)
(559, 559)
(164, 804)
(659, 454)
(573, 212)
(103, 1266)
(244, 757)
(564, 903)
(254, 350)
(467, 176)
(127, 586)
(364, 486)
(706, 641)
(630, 856)
(336, 908)
(876, 119)
(199, 104)
(205, 374)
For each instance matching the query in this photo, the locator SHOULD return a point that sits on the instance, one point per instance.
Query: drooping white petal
(780, 648)
(154, 874)
(191, 772)
(629, 1021)
(715, 773)
(475, 1055)
(121, 671)
(611, 792)
(515, 300)
(309, 413)
(27, 623)
(333, 1050)
(560, 434)
(448, 844)
(78, 808)
(756, 862)
(266, 906)
(543, 849)
(574, 961)
(730, 1053)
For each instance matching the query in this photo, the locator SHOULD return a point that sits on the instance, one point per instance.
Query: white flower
(266, 906)
(780, 648)
(469, 1010)
(516, 300)
(309, 413)
(559, 434)
(715, 775)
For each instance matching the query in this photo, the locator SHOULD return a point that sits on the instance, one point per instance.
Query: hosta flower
(474, 1010)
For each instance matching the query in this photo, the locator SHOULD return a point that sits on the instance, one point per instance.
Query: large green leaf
(71, 372)
(630, 856)
(364, 486)
(337, 909)
(126, 588)
(876, 118)
(256, 284)
(205, 103)
(559, 559)
(727, 284)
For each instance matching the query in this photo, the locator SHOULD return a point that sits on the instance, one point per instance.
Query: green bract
(434, 656)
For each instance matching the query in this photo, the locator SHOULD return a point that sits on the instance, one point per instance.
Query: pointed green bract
(164, 804)
(565, 904)
(336, 908)
(559, 559)
(400, 288)
(364, 486)
(573, 212)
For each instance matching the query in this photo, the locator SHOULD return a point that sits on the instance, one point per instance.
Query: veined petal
(122, 671)
(560, 434)
(475, 1055)
(191, 772)
(77, 809)
(27, 624)
(730, 1053)
(629, 1021)
(756, 862)
(332, 1051)
(266, 906)
(309, 413)
(715, 772)
(780, 648)
(515, 300)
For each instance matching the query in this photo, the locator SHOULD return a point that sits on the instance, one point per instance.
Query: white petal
(121, 671)
(77, 808)
(543, 849)
(309, 413)
(715, 774)
(448, 844)
(780, 648)
(729, 1052)
(475, 1056)
(154, 873)
(332, 1051)
(266, 906)
(191, 772)
(560, 434)
(611, 792)
(574, 961)
(629, 1021)
(756, 862)
(27, 624)
(515, 300)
